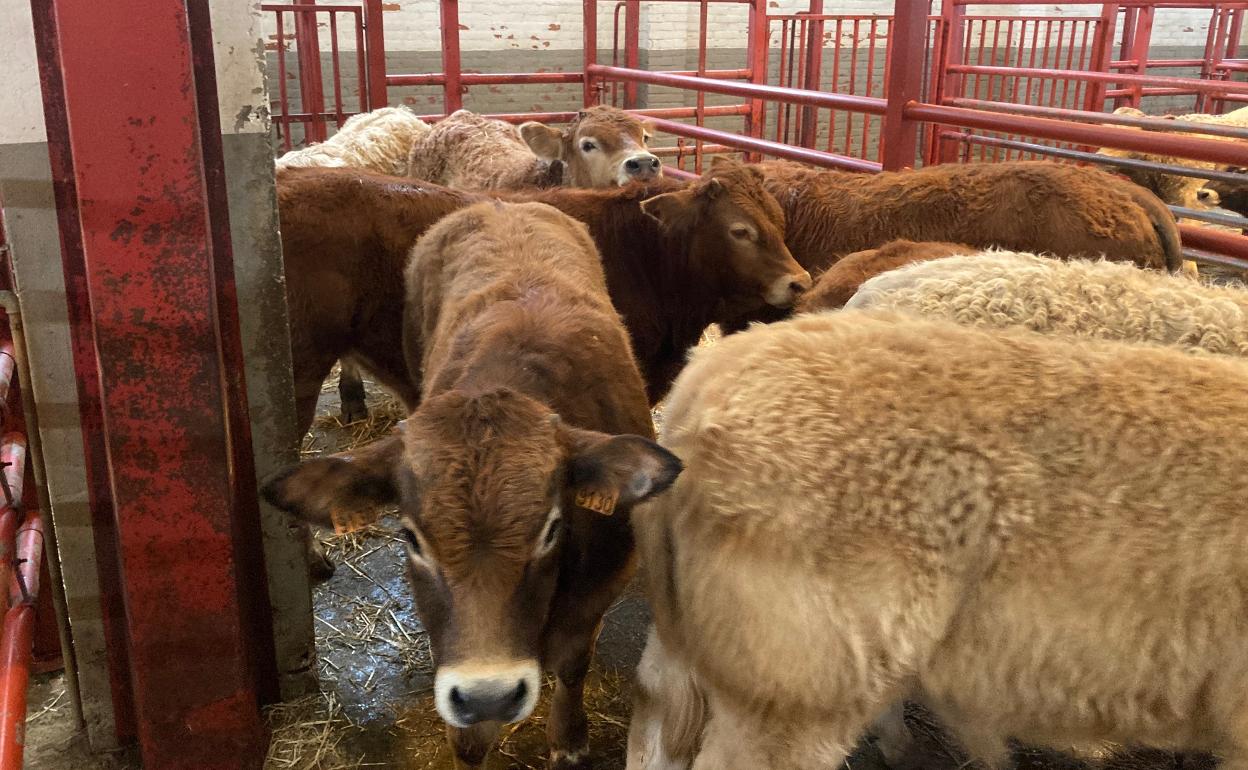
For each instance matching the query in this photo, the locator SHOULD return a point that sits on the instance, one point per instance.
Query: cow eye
(588, 146)
(413, 542)
(741, 233)
(550, 533)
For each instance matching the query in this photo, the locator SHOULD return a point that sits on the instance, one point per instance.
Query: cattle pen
(160, 612)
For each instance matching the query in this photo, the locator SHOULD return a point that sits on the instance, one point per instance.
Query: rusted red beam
(869, 104)
(22, 552)
(564, 117)
(1097, 136)
(148, 200)
(907, 37)
(311, 87)
(375, 43)
(1232, 245)
(750, 144)
(1202, 86)
(1084, 116)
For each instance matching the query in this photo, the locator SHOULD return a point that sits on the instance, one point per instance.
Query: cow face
(1232, 196)
(738, 233)
(492, 490)
(603, 147)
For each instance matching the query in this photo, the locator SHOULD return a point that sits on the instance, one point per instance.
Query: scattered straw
(306, 733)
(50, 707)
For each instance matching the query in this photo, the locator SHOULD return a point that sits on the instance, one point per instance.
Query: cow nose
(642, 166)
(489, 701)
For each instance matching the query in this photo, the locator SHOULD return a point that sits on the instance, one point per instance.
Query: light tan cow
(1037, 536)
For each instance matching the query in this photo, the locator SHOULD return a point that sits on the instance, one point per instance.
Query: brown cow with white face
(516, 473)
(604, 146)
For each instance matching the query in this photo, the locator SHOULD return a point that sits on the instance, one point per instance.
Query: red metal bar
(1098, 136)
(757, 41)
(814, 73)
(452, 64)
(1217, 241)
(148, 203)
(949, 81)
(1083, 116)
(1102, 52)
(700, 108)
(908, 33)
(564, 117)
(1206, 86)
(375, 42)
(589, 46)
(632, 46)
(803, 154)
(333, 48)
(872, 105)
(483, 79)
(836, 83)
(361, 64)
(311, 89)
(16, 644)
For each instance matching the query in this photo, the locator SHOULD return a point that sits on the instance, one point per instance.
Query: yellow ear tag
(598, 502)
(350, 521)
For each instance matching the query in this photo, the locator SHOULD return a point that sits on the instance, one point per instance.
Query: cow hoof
(353, 412)
(319, 565)
(570, 760)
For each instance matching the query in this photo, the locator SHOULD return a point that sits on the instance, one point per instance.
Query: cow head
(1232, 196)
(492, 490)
(737, 231)
(603, 147)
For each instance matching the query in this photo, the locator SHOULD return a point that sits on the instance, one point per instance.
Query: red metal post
(814, 74)
(311, 87)
(1139, 50)
(148, 202)
(948, 84)
(907, 41)
(375, 46)
(452, 65)
(632, 48)
(757, 39)
(589, 45)
(1102, 53)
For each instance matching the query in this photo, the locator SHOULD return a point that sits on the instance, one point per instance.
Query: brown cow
(603, 143)
(516, 474)
(839, 282)
(1035, 206)
(472, 152)
(675, 262)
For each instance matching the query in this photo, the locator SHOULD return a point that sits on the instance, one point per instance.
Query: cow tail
(1164, 225)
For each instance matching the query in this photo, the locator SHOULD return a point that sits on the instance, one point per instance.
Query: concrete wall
(30, 219)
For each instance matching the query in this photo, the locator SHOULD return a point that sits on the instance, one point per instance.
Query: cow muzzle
(640, 167)
(470, 693)
(785, 290)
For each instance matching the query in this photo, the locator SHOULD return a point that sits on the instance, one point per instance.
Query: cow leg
(736, 741)
(892, 737)
(470, 746)
(351, 392)
(568, 729)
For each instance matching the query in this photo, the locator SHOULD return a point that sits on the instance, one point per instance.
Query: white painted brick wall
(537, 25)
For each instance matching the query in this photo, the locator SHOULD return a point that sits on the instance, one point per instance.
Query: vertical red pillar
(311, 82)
(757, 40)
(907, 45)
(589, 44)
(1102, 54)
(632, 49)
(134, 113)
(948, 84)
(375, 46)
(809, 125)
(452, 65)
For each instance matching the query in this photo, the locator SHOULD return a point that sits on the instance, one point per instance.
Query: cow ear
(712, 189)
(672, 210)
(647, 131)
(723, 163)
(607, 472)
(345, 491)
(545, 142)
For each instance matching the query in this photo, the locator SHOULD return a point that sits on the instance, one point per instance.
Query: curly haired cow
(379, 141)
(1039, 536)
(1036, 206)
(1105, 300)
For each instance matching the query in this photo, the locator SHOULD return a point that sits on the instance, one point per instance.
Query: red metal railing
(312, 115)
(985, 87)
